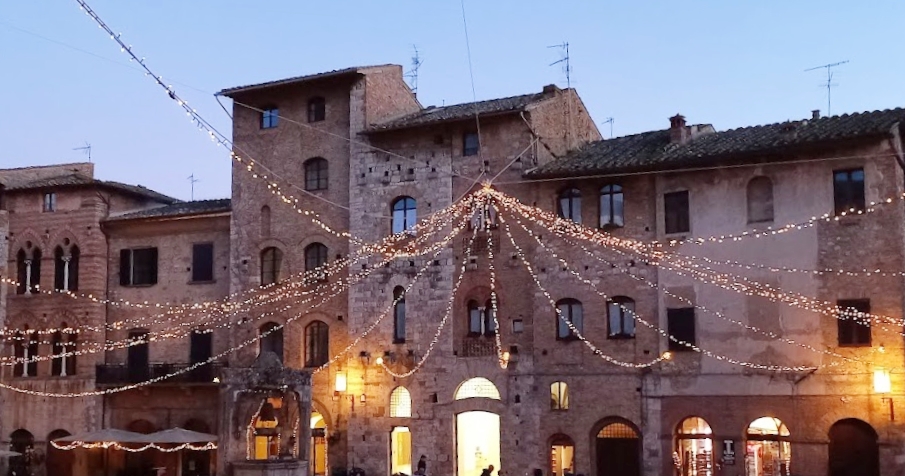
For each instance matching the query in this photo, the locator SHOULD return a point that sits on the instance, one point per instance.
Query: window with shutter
(853, 324)
(680, 324)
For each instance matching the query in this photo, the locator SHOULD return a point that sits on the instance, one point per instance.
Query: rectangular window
(202, 262)
(680, 325)
(270, 117)
(138, 267)
(848, 190)
(854, 330)
(50, 202)
(675, 210)
(470, 143)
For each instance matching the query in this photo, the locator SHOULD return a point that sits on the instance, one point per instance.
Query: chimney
(678, 133)
(815, 114)
(551, 90)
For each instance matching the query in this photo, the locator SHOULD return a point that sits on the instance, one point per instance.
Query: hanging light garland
(133, 449)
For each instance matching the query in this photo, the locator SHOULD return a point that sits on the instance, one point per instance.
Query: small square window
(676, 213)
(848, 190)
(269, 118)
(202, 262)
(138, 267)
(317, 109)
(50, 202)
(680, 325)
(470, 144)
(518, 326)
(854, 330)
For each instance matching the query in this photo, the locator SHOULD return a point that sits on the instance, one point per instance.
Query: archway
(694, 447)
(767, 450)
(318, 451)
(562, 455)
(21, 441)
(58, 462)
(477, 431)
(853, 449)
(618, 447)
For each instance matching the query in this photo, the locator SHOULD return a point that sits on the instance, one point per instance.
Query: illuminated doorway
(318, 466)
(768, 451)
(477, 442)
(694, 447)
(401, 450)
(562, 455)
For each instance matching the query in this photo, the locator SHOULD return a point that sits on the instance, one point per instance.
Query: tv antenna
(87, 149)
(565, 61)
(610, 121)
(412, 74)
(829, 83)
(193, 181)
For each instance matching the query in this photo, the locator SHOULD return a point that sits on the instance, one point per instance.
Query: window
(50, 202)
(621, 318)
(480, 319)
(518, 326)
(270, 117)
(471, 144)
(675, 210)
(400, 403)
(317, 344)
(477, 387)
(399, 315)
(316, 257)
(25, 350)
(768, 447)
(316, 174)
(138, 267)
(28, 270)
(854, 329)
(680, 325)
(694, 447)
(271, 339)
(317, 109)
(848, 190)
(271, 260)
(612, 203)
(559, 396)
(404, 214)
(202, 262)
(568, 310)
(760, 200)
(66, 269)
(562, 455)
(63, 342)
(265, 222)
(570, 205)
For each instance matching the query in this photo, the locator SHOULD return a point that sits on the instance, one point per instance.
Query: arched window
(612, 205)
(570, 205)
(265, 222)
(316, 171)
(404, 214)
(694, 447)
(400, 403)
(481, 319)
(26, 349)
(478, 387)
(569, 310)
(315, 257)
(489, 318)
(20, 441)
(317, 344)
(273, 340)
(66, 269)
(767, 448)
(621, 318)
(63, 342)
(760, 200)
(562, 455)
(28, 270)
(271, 262)
(559, 396)
(399, 315)
(317, 109)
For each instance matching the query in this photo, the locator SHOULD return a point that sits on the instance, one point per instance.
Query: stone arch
(21, 240)
(615, 444)
(477, 387)
(58, 238)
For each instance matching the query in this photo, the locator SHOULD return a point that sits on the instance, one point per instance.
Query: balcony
(478, 347)
(112, 374)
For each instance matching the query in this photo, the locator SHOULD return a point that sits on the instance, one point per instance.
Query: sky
(64, 83)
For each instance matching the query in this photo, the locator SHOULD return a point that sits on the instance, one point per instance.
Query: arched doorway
(197, 463)
(694, 447)
(58, 462)
(562, 455)
(618, 447)
(21, 441)
(318, 465)
(478, 431)
(767, 451)
(853, 449)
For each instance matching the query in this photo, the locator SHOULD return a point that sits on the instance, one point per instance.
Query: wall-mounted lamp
(339, 385)
(883, 386)
(364, 399)
(379, 361)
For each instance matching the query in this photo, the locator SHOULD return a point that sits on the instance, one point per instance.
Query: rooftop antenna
(610, 121)
(566, 61)
(86, 149)
(193, 181)
(412, 74)
(829, 83)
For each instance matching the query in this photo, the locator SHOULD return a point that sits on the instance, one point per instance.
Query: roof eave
(442, 121)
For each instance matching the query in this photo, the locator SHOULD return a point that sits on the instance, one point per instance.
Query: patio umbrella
(106, 435)
(179, 436)
(8, 454)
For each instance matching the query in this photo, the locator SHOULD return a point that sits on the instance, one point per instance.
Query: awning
(104, 438)
(179, 436)
(168, 441)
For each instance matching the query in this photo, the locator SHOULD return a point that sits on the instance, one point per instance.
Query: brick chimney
(678, 133)
(551, 90)
(815, 114)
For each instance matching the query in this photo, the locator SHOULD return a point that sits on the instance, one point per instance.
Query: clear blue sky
(716, 62)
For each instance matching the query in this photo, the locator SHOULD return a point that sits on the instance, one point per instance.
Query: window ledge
(137, 285)
(610, 227)
(760, 222)
(855, 346)
(211, 281)
(621, 337)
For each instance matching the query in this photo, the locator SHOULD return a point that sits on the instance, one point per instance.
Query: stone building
(355, 147)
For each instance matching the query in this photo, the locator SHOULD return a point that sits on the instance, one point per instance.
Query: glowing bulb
(667, 355)
(379, 361)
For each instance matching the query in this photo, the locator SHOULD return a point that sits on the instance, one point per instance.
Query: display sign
(728, 451)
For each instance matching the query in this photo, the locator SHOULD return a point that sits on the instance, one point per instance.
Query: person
(488, 471)
(422, 466)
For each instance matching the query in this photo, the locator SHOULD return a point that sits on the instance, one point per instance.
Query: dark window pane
(316, 171)
(680, 325)
(203, 262)
(399, 315)
(470, 144)
(675, 208)
(854, 330)
(621, 318)
(138, 267)
(611, 206)
(848, 190)
(570, 205)
(571, 311)
(273, 340)
(317, 343)
(315, 256)
(317, 109)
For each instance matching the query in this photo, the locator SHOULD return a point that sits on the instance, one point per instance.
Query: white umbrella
(179, 436)
(106, 435)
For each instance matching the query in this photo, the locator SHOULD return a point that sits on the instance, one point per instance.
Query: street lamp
(883, 386)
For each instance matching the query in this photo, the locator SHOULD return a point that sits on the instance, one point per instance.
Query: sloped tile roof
(229, 92)
(197, 207)
(456, 112)
(78, 180)
(652, 151)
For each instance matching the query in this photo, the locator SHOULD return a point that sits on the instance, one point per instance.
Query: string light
(132, 449)
(777, 269)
